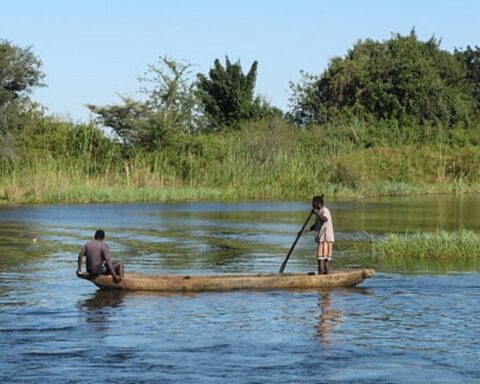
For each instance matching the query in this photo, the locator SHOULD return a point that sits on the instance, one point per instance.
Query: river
(397, 327)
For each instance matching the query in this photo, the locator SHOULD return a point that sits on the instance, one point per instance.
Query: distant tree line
(402, 81)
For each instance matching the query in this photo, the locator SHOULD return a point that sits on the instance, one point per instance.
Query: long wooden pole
(284, 264)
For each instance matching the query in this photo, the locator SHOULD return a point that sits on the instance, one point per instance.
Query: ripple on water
(394, 328)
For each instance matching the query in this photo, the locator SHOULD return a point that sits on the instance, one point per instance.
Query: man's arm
(116, 277)
(308, 229)
(108, 260)
(319, 213)
(80, 259)
(323, 217)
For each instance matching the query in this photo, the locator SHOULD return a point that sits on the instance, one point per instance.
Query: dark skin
(117, 272)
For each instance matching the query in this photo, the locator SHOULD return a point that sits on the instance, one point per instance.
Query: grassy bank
(436, 251)
(261, 161)
(54, 181)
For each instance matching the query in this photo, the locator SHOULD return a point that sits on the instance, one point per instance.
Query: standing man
(324, 236)
(99, 259)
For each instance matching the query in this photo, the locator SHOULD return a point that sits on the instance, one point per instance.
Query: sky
(94, 50)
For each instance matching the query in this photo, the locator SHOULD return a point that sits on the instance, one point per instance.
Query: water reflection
(104, 298)
(329, 303)
(328, 319)
(98, 307)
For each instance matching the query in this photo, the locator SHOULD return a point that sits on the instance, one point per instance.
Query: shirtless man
(99, 259)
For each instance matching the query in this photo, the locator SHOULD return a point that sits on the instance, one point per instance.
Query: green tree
(227, 95)
(125, 119)
(170, 93)
(402, 79)
(20, 72)
(470, 57)
(168, 107)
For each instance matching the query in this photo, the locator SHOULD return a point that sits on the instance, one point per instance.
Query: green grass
(280, 177)
(264, 160)
(435, 251)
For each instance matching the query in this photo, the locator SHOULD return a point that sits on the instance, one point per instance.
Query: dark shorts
(99, 271)
(103, 270)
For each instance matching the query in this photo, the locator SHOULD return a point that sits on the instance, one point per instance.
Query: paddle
(284, 264)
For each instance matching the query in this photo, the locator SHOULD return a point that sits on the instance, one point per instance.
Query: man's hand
(117, 279)
(306, 230)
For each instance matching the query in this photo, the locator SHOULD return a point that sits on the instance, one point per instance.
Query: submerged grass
(435, 251)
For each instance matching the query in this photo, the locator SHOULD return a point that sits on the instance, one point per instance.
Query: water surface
(398, 327)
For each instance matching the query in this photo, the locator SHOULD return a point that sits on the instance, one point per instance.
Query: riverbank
(95, 192)
(263, 160)
(234, 172)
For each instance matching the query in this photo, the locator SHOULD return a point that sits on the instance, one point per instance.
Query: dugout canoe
(228, 282)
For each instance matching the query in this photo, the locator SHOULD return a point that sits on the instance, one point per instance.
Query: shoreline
(124, 194)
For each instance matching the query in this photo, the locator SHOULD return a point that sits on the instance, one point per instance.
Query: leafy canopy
(470, 57)
(168, 108)
(402, 79)
(226, 95)
(20, 72)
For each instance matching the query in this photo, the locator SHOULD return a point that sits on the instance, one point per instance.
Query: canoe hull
(228, 282)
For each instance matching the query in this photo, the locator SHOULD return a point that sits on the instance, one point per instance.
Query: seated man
(99, 259)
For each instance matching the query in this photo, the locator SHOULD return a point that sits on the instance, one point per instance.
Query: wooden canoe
(227, 282)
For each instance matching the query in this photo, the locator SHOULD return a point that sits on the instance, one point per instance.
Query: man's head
(99, 234)
(317, 201)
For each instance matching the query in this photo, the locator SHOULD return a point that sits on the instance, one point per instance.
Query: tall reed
(263, 160)
(439, 250)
